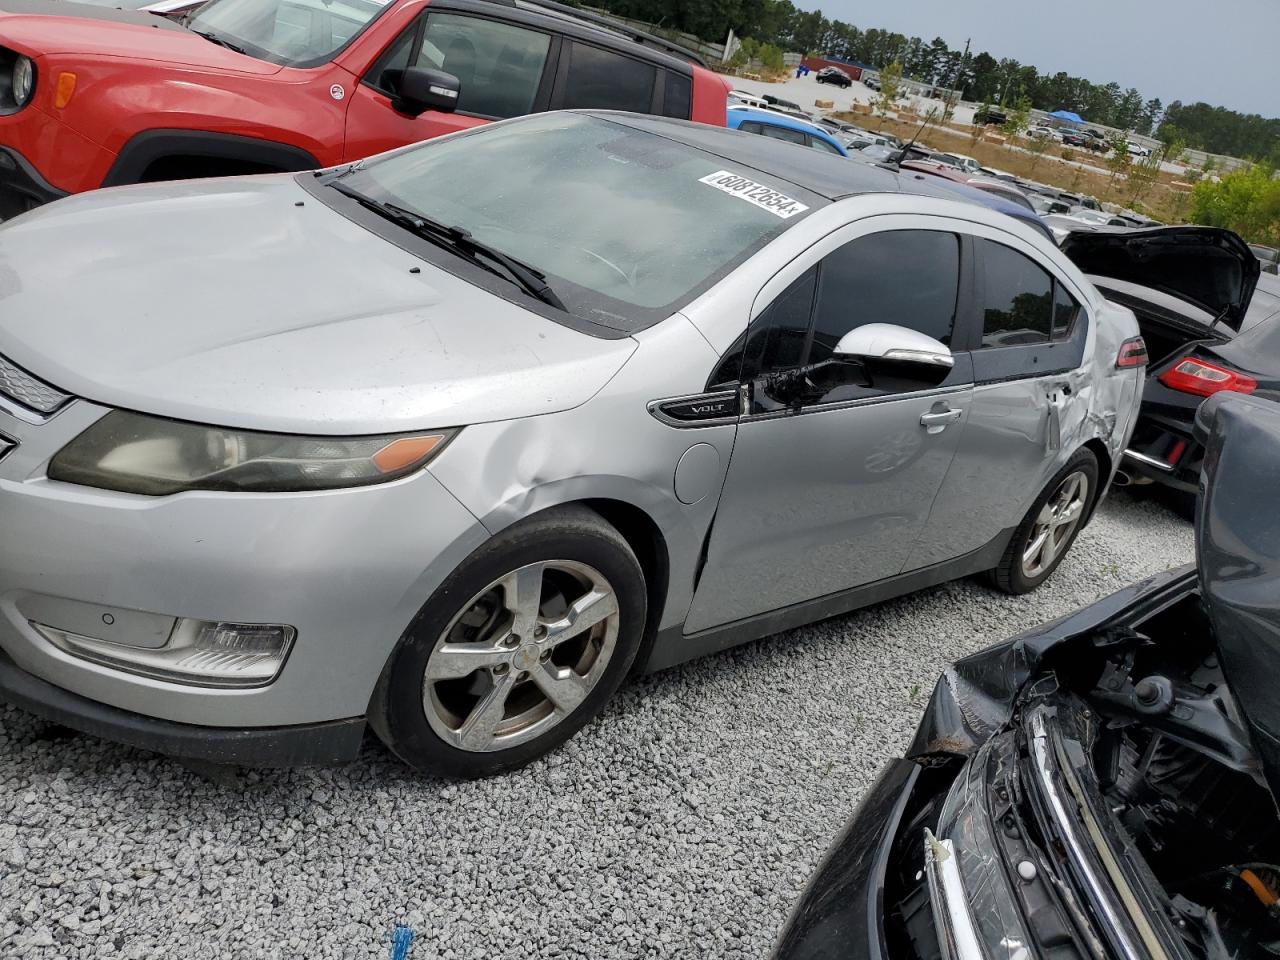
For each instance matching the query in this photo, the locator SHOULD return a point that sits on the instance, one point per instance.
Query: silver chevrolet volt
(448, 442)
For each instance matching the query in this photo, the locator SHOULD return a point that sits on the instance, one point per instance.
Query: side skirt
(674, 646)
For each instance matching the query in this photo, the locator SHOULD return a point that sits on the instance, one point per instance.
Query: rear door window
(603, 80)
(820, 144)
(677, 99)
(1017, 304)
(782, 133)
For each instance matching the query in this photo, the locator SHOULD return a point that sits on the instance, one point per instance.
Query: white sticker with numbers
(761, 194)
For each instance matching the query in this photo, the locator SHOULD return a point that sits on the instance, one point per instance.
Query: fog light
(198, 652)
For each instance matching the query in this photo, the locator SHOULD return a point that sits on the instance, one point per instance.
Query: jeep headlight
(151, 456)
(23, 80)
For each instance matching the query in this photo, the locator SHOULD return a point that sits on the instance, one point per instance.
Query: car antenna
(902, 154)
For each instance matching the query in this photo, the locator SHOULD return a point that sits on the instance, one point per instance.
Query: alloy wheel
(1058, 518)
(521, 655)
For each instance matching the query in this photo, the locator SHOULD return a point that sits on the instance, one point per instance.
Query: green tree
(1118, 159)
(890, 88)
(1017, 116)
(1246, 201)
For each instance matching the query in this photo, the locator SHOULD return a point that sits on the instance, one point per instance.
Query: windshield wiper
(220, 41)
(459, 241)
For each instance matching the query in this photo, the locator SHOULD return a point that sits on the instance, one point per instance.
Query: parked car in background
(263, 85)
(843, 126)
(1136, 149)
(781, 126)
(878, 153)
(990, 116)
(1044, 132)
(1096, 144)
(1102, 786)
(741, 98)
(871, 81)
(1044, 205)
(503, 563)
(834, 75)
(1192, 290)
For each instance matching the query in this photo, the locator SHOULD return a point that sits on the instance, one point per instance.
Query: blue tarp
(1067, 115)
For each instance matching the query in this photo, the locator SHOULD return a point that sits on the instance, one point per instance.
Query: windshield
(289, 32)
(626, 225)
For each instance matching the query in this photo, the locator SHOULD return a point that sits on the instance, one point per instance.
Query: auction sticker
(761, 194)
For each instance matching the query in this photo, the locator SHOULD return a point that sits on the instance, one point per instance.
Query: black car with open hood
(1193, 290)
(1100, 787)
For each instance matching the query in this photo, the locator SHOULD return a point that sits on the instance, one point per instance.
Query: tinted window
(782, 133)
(604, 80)
(907, 277)
(821, 144)
(1017, 298)
(498, 65)
(776, 339)
(677, 101)
(750, 126)
(1064, 312)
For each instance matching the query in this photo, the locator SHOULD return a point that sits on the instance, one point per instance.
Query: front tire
(1050, 527)
(517, 650)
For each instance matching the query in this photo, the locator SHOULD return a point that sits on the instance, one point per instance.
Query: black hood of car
(1238, 555)
(1210, 268)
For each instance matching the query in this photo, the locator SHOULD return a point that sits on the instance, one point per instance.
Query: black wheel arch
(146, 148)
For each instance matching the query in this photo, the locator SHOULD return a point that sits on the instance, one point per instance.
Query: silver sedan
(448, 442)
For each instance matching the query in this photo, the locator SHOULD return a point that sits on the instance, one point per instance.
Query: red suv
(100, 97)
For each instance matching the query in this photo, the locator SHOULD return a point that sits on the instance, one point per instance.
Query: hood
(248, 303)
(1210, 268)
(1238, 554)
(57, 27)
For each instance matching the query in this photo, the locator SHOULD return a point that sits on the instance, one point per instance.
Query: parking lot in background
(682, 823)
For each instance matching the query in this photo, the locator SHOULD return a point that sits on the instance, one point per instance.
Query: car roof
(778, 120)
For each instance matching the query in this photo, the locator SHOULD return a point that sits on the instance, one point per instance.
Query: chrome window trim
(857, 402)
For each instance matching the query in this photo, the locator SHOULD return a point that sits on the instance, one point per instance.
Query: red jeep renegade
(91, 96)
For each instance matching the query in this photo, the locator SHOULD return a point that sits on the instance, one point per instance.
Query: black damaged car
(1211, 324)
(1103, 786)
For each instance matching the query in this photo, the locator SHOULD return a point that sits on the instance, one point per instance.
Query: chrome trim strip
(1052, 773)
(860, 402)
(1147, 461)
(957, 938)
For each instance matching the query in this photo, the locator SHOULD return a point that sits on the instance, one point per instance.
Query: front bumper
(21, 186)
(348, 569)
(841, 911)
(325, 744)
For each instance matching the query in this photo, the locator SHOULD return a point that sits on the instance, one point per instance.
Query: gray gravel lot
(683, 823)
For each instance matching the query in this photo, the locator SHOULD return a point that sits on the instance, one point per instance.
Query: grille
(27, 390)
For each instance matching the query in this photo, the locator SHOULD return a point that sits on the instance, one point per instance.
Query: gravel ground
(684, 822)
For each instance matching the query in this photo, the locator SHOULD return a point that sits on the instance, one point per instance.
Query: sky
(1224, 52)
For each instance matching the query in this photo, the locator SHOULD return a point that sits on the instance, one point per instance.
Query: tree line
(979, 75)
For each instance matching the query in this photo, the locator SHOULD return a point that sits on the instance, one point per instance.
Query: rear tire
(517, 650)
(1050, 527)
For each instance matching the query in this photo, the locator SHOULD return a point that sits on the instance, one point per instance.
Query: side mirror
(421, 89)
(888, 341)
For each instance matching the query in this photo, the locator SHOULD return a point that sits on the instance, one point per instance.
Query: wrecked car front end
(1097, 787)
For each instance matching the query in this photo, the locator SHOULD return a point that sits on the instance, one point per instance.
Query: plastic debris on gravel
(684, 822)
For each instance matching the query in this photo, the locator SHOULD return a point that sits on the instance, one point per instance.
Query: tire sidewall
(1083, 461)
(397, 713)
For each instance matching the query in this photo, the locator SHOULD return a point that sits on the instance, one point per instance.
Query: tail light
(1133, 353)
(1203, 379)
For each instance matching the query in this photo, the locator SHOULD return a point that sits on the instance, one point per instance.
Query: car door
(504, 67)
(1027, 334)
(593, 77)
(830, 492)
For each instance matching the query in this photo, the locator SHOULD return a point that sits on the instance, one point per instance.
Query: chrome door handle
(937, 421)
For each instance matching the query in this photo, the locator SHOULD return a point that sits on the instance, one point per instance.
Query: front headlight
(24, 80)
(155, 457)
